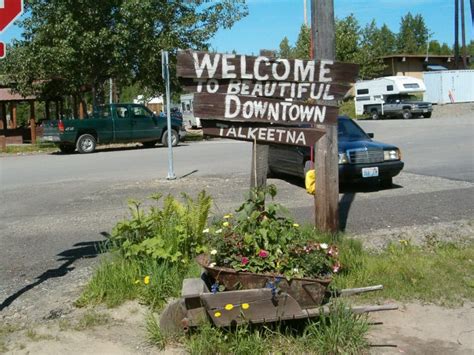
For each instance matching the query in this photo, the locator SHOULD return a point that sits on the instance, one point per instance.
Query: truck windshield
(348, 130)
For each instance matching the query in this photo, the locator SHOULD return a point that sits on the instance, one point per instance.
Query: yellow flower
(146, 280)
(229, 307)
(227, 216)
(137, 282)
(296, 225)
(217, 314)
(225, 224)
(245, 306)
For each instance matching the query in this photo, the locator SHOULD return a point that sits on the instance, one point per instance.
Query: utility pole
(463, 32)
(456, 34)
(166, 76)
(326, 150)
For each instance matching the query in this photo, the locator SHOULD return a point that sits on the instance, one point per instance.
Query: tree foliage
(73, 46)
(413, 35)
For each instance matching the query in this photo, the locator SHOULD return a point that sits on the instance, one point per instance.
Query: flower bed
(258, 247)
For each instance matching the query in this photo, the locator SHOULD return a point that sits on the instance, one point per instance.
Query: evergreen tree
(388, 39)
(371, 51)
(303, 44)
(347, 39)
(285, 49)
(413, 35)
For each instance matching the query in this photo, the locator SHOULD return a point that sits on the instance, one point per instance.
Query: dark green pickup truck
(115, 123)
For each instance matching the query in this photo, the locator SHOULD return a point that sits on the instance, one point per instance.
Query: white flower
(219, 231)
(214, 252)
(206, 230)
(295, 270)
(324, 246)
(212, 264)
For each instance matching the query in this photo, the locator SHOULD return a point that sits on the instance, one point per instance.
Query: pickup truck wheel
(407, 114)
(66, 148)
(374, 115)
(174, 138)
(86, 144)
(427, 115)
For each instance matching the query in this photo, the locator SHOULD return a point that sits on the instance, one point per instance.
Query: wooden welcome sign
(264, 99)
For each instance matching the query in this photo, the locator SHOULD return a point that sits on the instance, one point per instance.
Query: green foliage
(347, 39)
(413, 35)
(173, 233)
(437, 272)
(285, 49)
(341, 332)
(259, 239)
(117, 280)
(70, 47)
(155, 336)
(302, 49)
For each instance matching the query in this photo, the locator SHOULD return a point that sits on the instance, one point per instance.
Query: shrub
(173, 233)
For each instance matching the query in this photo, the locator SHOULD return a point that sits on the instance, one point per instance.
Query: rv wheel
(374, 115)
(407, 114)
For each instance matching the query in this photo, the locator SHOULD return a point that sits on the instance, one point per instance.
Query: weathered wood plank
(263, 134)
(270, 89)
(252, 109)
(203, 65)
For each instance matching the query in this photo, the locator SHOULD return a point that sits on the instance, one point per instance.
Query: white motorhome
(187, 102)
(391, 96)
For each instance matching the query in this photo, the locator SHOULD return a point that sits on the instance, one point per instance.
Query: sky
(269, 21)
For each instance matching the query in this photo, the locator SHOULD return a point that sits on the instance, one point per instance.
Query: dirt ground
(47, 322)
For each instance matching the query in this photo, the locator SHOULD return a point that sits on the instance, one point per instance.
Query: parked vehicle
(391, 96)
(187, 101)
(115, 123)
(360, 157)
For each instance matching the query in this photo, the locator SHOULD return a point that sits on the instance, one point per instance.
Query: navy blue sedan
(360, 157)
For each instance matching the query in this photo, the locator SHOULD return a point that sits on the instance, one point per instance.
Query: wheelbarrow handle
(355, 291)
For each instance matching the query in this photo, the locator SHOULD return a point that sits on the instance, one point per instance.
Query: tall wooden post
(32, 122)
(47, 110)
(456, 34)
(463, 36)
(3, 125)
(259, 169)
(326, 150)
(13, 111)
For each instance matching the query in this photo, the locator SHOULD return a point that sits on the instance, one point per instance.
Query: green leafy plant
(260, 239)
(172, 233)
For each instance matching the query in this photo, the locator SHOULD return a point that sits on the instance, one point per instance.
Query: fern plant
(173, 232)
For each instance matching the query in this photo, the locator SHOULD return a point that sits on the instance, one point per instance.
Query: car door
(123, 123)
(145, 124)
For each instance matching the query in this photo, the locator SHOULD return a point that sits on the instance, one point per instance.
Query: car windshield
(348, 130)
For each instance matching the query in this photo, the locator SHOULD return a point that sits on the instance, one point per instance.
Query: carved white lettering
(228, 69)
(229, 99)
(206, 63)
(323, 71)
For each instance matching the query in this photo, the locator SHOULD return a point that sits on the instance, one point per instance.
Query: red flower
(245, 260)
(263, 254)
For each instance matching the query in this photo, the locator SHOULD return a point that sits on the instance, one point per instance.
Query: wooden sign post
(269, 100)
(326, 150)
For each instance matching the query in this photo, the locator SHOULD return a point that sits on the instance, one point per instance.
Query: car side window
(121, 112)
(141, 112)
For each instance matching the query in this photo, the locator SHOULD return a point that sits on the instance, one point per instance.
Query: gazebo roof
(6, 95)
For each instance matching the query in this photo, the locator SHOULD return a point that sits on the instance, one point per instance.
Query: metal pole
(456, 34)
(166, 76)
(111, 93)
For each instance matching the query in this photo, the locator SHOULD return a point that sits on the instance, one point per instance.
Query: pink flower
(263, 254)
(333, 251)
(245, 260)
(336, 267)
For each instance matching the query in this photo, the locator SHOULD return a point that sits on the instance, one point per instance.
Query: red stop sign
(10, 10)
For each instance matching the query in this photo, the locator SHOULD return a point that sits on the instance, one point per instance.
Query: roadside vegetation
(31, 148)
(154, 250)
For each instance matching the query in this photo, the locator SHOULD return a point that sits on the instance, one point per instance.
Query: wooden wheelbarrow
(198, 306)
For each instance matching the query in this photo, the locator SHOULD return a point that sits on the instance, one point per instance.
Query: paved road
(54, 205)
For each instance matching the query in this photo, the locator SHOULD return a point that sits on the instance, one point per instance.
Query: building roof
(442, 56)
(7, 95)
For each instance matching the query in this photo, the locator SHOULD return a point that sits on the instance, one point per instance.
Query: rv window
(362, 91)
(389, 87)
(411, 86)
(363, 98)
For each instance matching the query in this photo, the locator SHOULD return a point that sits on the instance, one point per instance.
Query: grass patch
(92, 319)
(437, 273)
(33, 335)
(30, 148)
(340, 332)
(194, 136)
(118, 280)
(348, 109)
(155, 336)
